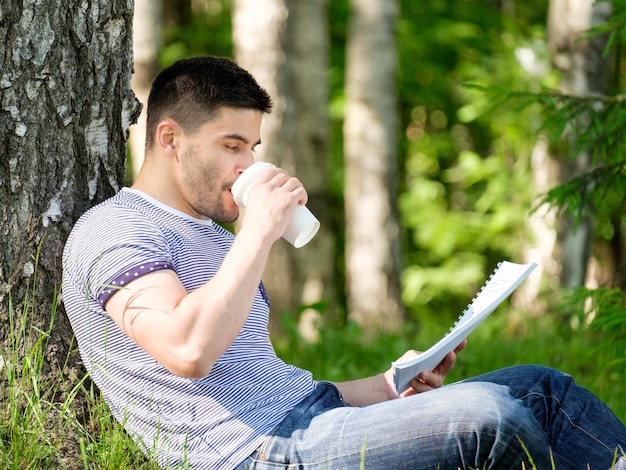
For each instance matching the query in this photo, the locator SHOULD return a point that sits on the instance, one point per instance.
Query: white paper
(505, 279)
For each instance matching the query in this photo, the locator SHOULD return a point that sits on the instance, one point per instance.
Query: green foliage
(595, 127)
(476, 91)
(208, 31)
(589, 131)
(603, 309)
(615, 27)
(467, 188)
(599, 124)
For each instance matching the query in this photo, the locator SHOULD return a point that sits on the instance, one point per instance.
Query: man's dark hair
(192, 90)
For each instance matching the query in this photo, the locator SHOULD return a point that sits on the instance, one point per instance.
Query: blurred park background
(435, 138)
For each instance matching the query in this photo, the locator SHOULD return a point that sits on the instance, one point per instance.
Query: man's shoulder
(115, 210)
(114, 220)
(111, 233)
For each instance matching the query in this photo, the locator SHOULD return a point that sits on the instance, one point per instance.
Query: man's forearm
(367, 391)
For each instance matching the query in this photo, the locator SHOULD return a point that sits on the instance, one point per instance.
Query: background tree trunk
(176, 12)
(585, 73)
(370, 147)
(66, 106)
(543, 223)
(285, 46)
(147, 40)
(562, 248)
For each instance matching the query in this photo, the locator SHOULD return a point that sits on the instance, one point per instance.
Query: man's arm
(380, 387)
(188, 332)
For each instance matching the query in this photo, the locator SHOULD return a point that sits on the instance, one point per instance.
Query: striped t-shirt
(210, 423)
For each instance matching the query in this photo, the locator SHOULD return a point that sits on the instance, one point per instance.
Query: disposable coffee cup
(303, 225)
(302, 228)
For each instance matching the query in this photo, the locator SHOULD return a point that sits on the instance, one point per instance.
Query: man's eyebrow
(239, 137)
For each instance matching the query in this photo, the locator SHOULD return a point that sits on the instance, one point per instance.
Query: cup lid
(247, 178)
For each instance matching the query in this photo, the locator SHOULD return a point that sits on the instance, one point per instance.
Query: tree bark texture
(65, 109)
(586, 72)
(284, 44)
(370, 148)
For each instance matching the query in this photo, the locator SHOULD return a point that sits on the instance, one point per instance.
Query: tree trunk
(285, 46)
(66, 106)
(176, 12)
(370, 144)
(147, 39)
(542, 224)
(585, 73)
(307, 46)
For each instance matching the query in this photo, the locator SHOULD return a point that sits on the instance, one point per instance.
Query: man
(171, 320)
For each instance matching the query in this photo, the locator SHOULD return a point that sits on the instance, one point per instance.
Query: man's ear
(167, 136)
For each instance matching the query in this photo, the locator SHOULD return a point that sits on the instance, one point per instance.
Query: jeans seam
(343, 424)
(569, 419)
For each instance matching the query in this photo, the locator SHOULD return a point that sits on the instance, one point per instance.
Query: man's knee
(497, 426)
(485, 406)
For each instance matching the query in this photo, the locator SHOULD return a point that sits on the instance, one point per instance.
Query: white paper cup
(302, 228)
(246, 180)
(303, 225)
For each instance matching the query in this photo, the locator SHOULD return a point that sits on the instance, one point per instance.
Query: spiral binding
(469, 306)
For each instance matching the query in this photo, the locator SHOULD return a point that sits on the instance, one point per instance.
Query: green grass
(504, 339)
(44, 426)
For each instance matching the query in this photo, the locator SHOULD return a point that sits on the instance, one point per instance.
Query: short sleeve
(129, 275)
(108, 249)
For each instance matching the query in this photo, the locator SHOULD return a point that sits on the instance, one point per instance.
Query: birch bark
(65, 109)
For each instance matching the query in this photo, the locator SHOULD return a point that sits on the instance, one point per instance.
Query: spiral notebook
(504, 280)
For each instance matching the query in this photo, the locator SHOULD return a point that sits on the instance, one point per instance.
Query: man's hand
(379, 387)
(427, 380)
(271, 203)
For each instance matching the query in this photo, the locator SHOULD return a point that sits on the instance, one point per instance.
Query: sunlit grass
(44, 427)
(505, 339)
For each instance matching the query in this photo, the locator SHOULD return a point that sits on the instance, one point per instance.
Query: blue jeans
(526, 415)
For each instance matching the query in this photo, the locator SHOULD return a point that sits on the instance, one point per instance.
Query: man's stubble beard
(201, 182)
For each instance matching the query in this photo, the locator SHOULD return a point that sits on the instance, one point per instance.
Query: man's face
(212, 159)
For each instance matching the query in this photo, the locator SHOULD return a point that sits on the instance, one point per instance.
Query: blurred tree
(177, 12)
(66, 109)
(562, 243)
(584, 123)
(306, 43)
(147, 41)
(586, 72)
(195, 27)
(370, 143)
(589, 115)
(284, 44)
